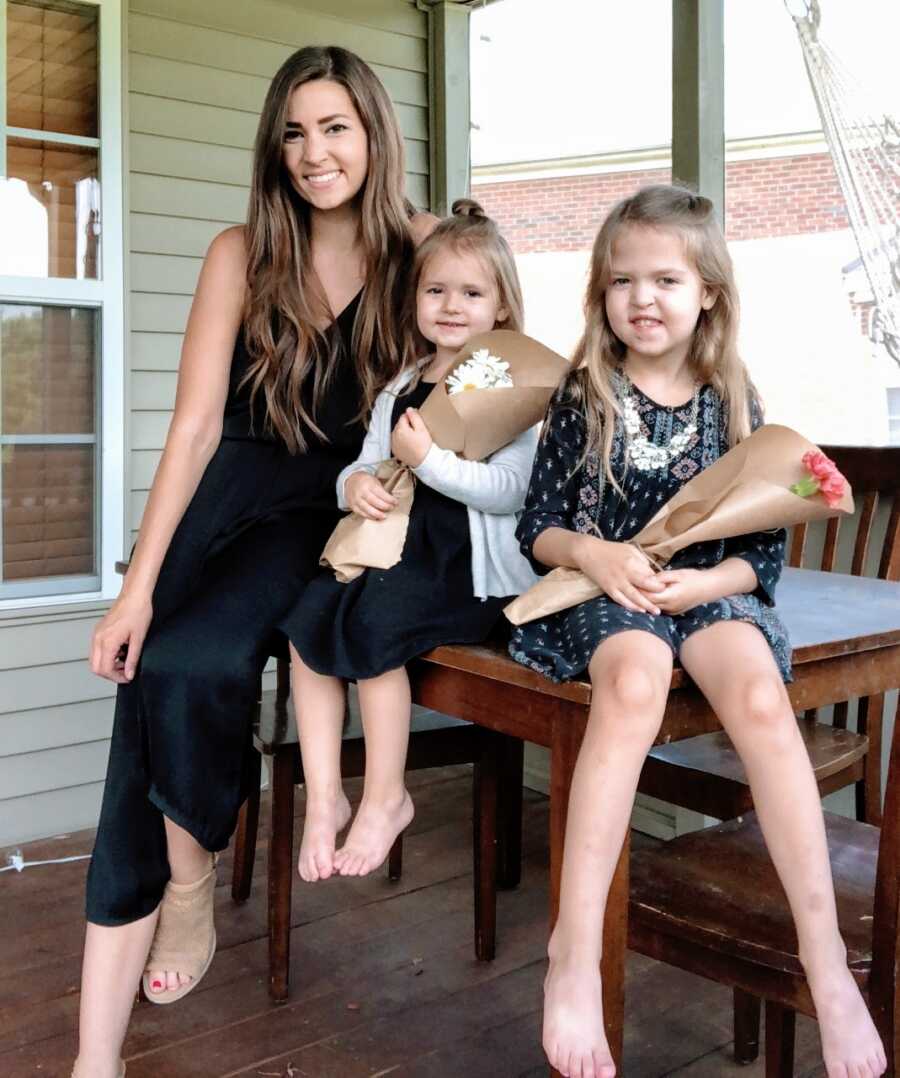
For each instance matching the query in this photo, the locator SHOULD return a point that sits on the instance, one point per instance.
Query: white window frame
(107, 295)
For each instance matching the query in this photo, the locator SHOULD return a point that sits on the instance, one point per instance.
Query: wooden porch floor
(383, 975)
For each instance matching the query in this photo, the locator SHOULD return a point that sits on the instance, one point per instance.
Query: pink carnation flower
(823, 478)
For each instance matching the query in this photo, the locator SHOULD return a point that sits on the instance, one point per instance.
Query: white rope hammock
(865, 148)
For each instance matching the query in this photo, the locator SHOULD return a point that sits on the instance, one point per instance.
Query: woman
(294, 328)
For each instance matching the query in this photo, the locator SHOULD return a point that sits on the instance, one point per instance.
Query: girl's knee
(630, 687)
(765, 705)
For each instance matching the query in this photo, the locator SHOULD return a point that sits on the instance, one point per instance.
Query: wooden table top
(826, 614)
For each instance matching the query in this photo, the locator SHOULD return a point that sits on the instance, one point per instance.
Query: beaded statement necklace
(644, 454)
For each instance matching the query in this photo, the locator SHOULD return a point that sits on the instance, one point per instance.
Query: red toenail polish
(157, 984)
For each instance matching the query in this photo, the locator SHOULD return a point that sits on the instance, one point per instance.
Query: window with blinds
(50, 350)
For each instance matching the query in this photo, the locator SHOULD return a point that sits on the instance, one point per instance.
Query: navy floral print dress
(565, 493)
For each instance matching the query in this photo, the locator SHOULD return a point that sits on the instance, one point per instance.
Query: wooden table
(845, 633)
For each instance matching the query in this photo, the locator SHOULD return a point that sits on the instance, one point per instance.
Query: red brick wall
(778, 196)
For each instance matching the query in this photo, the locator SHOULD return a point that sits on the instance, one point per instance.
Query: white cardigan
(493, 491)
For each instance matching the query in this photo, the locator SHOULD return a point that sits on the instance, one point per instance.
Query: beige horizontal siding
(154, 234)
(155, 351)
(69, 808)
(144, 463)
(53, 727)
(148, 429)
(51, 769)
(164, 273)
(182, 80)
(51, 684)
(255, 38)
(194, 199)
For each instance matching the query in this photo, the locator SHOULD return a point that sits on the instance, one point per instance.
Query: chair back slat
(839, 715)
(890, 552)
(829, 550)
(864, 533)
(798, 546)
(886, 914)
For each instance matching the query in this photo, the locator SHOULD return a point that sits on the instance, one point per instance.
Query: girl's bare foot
(369, 842)
(851, 1046)
(325, 817)
(574, 1038)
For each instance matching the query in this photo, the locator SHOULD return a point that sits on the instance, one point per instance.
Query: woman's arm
(194, 434)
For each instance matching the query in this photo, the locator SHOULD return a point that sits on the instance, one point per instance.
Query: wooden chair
(710, 903)
(705, 774)
(435, 741)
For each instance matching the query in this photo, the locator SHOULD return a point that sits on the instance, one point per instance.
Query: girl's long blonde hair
(286, 306)
(713, 356)
(470, 231)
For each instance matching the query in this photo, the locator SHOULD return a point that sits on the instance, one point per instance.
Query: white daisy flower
(480, 371)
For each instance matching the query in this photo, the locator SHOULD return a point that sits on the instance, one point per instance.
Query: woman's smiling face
(326, 149)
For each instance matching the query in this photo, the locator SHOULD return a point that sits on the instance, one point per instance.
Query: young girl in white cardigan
(460, 562)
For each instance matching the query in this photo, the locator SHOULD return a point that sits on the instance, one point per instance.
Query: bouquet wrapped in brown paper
(760, 484)
(499, 385)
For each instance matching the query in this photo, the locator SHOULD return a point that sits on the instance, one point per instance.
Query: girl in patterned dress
(657, 393)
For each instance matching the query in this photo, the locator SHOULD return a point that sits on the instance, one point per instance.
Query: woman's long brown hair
(286, 306)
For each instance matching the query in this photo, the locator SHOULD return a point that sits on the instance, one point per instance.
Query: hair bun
(467, 207)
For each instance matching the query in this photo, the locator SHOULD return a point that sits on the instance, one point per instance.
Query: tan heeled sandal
(185, 938)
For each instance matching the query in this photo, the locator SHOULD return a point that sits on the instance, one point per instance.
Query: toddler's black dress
(385, 617)
(568, 493)
(245, 549)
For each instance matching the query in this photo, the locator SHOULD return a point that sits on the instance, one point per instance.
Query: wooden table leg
(780, 1023)
(484, 842)
(245, 835)
(509, 813)
(281, 874)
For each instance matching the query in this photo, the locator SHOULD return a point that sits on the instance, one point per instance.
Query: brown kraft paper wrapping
(745, 490)
(474, 424)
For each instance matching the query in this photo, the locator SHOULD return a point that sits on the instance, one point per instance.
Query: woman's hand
(622, 571)
(367, 496)
(119, 637)
(410, 440)
(683, 589)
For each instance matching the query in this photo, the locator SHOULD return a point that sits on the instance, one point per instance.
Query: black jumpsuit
(238, 562)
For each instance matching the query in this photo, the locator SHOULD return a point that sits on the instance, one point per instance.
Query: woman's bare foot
(325, 817)
(369, 842)
(851, 1046)
(574, 1038)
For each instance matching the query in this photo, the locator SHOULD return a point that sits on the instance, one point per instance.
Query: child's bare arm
(620, 569)
(684, 589)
